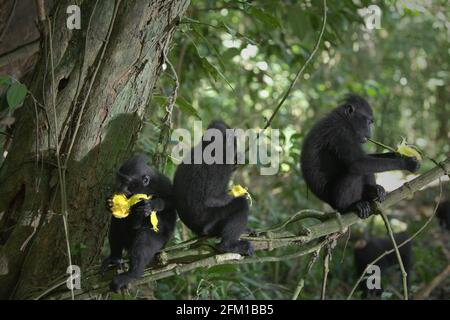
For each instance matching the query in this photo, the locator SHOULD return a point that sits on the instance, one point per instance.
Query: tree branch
(302, 69)
(200, 253)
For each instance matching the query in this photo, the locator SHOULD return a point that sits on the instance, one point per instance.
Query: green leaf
(211, 47)
(222, 269)
(208, 67)
(187, 107)
(230, 53)
(15, 95)
(234, 33)
(214, 72)
(264, 17)
(162, 100)
(4, 80)
(371, 92)
(3, 102)
(184, 105)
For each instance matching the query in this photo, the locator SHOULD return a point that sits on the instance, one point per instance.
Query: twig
(167, 119)
(94, 76)
(349, 231)
(61, 175)
(382, 145)
(326, 270)
(173, 269)
(83, 71)
(297, 76)
(302, 69)
(50, 290)
(397, 253)
(404, 242)
(301, 282)
(302, 214)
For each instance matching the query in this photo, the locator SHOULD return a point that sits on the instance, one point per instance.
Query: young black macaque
(202, 194)
(335, 166)
(135, 233)
(443, 214)
(366, 251)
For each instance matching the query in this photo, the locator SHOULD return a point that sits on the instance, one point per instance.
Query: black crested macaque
(443, 214)
(336, 168)
(366, 251)
(202, 194)
(135, 232)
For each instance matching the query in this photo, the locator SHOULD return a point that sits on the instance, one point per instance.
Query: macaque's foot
(243, 247)
(251, 232)
(110, 262)
(362, 209)
(376, 193)
(120, 282)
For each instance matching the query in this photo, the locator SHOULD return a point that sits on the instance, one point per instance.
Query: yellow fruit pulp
(404, 150)
(122, 204)
(238, 191)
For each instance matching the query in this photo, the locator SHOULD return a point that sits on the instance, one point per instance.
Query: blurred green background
(235, 59)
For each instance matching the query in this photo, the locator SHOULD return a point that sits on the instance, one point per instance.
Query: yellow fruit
(238, 191)
(154, 221)
(404, 150)
(121, 205)
(135, 198)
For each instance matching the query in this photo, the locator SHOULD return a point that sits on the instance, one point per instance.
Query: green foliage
(235, 59)
(269, 20)
(187, 107)
(14, 93)
(4, 80)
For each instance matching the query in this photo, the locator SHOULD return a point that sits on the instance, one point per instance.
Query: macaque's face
(130, 184)
(361, 119)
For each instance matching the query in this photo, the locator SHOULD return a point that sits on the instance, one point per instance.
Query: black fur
(369, 250)
(135, 233)
(443, 214)
(335, 166)
(203, 202)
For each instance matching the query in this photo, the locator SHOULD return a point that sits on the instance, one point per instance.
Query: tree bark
(88, 96)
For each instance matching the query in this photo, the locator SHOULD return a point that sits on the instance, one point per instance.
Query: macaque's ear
(145, 180)
(349, 109)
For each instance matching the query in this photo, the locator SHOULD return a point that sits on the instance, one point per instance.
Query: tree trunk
(92, 87)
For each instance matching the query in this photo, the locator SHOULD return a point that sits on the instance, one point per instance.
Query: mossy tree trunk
(91, 88)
